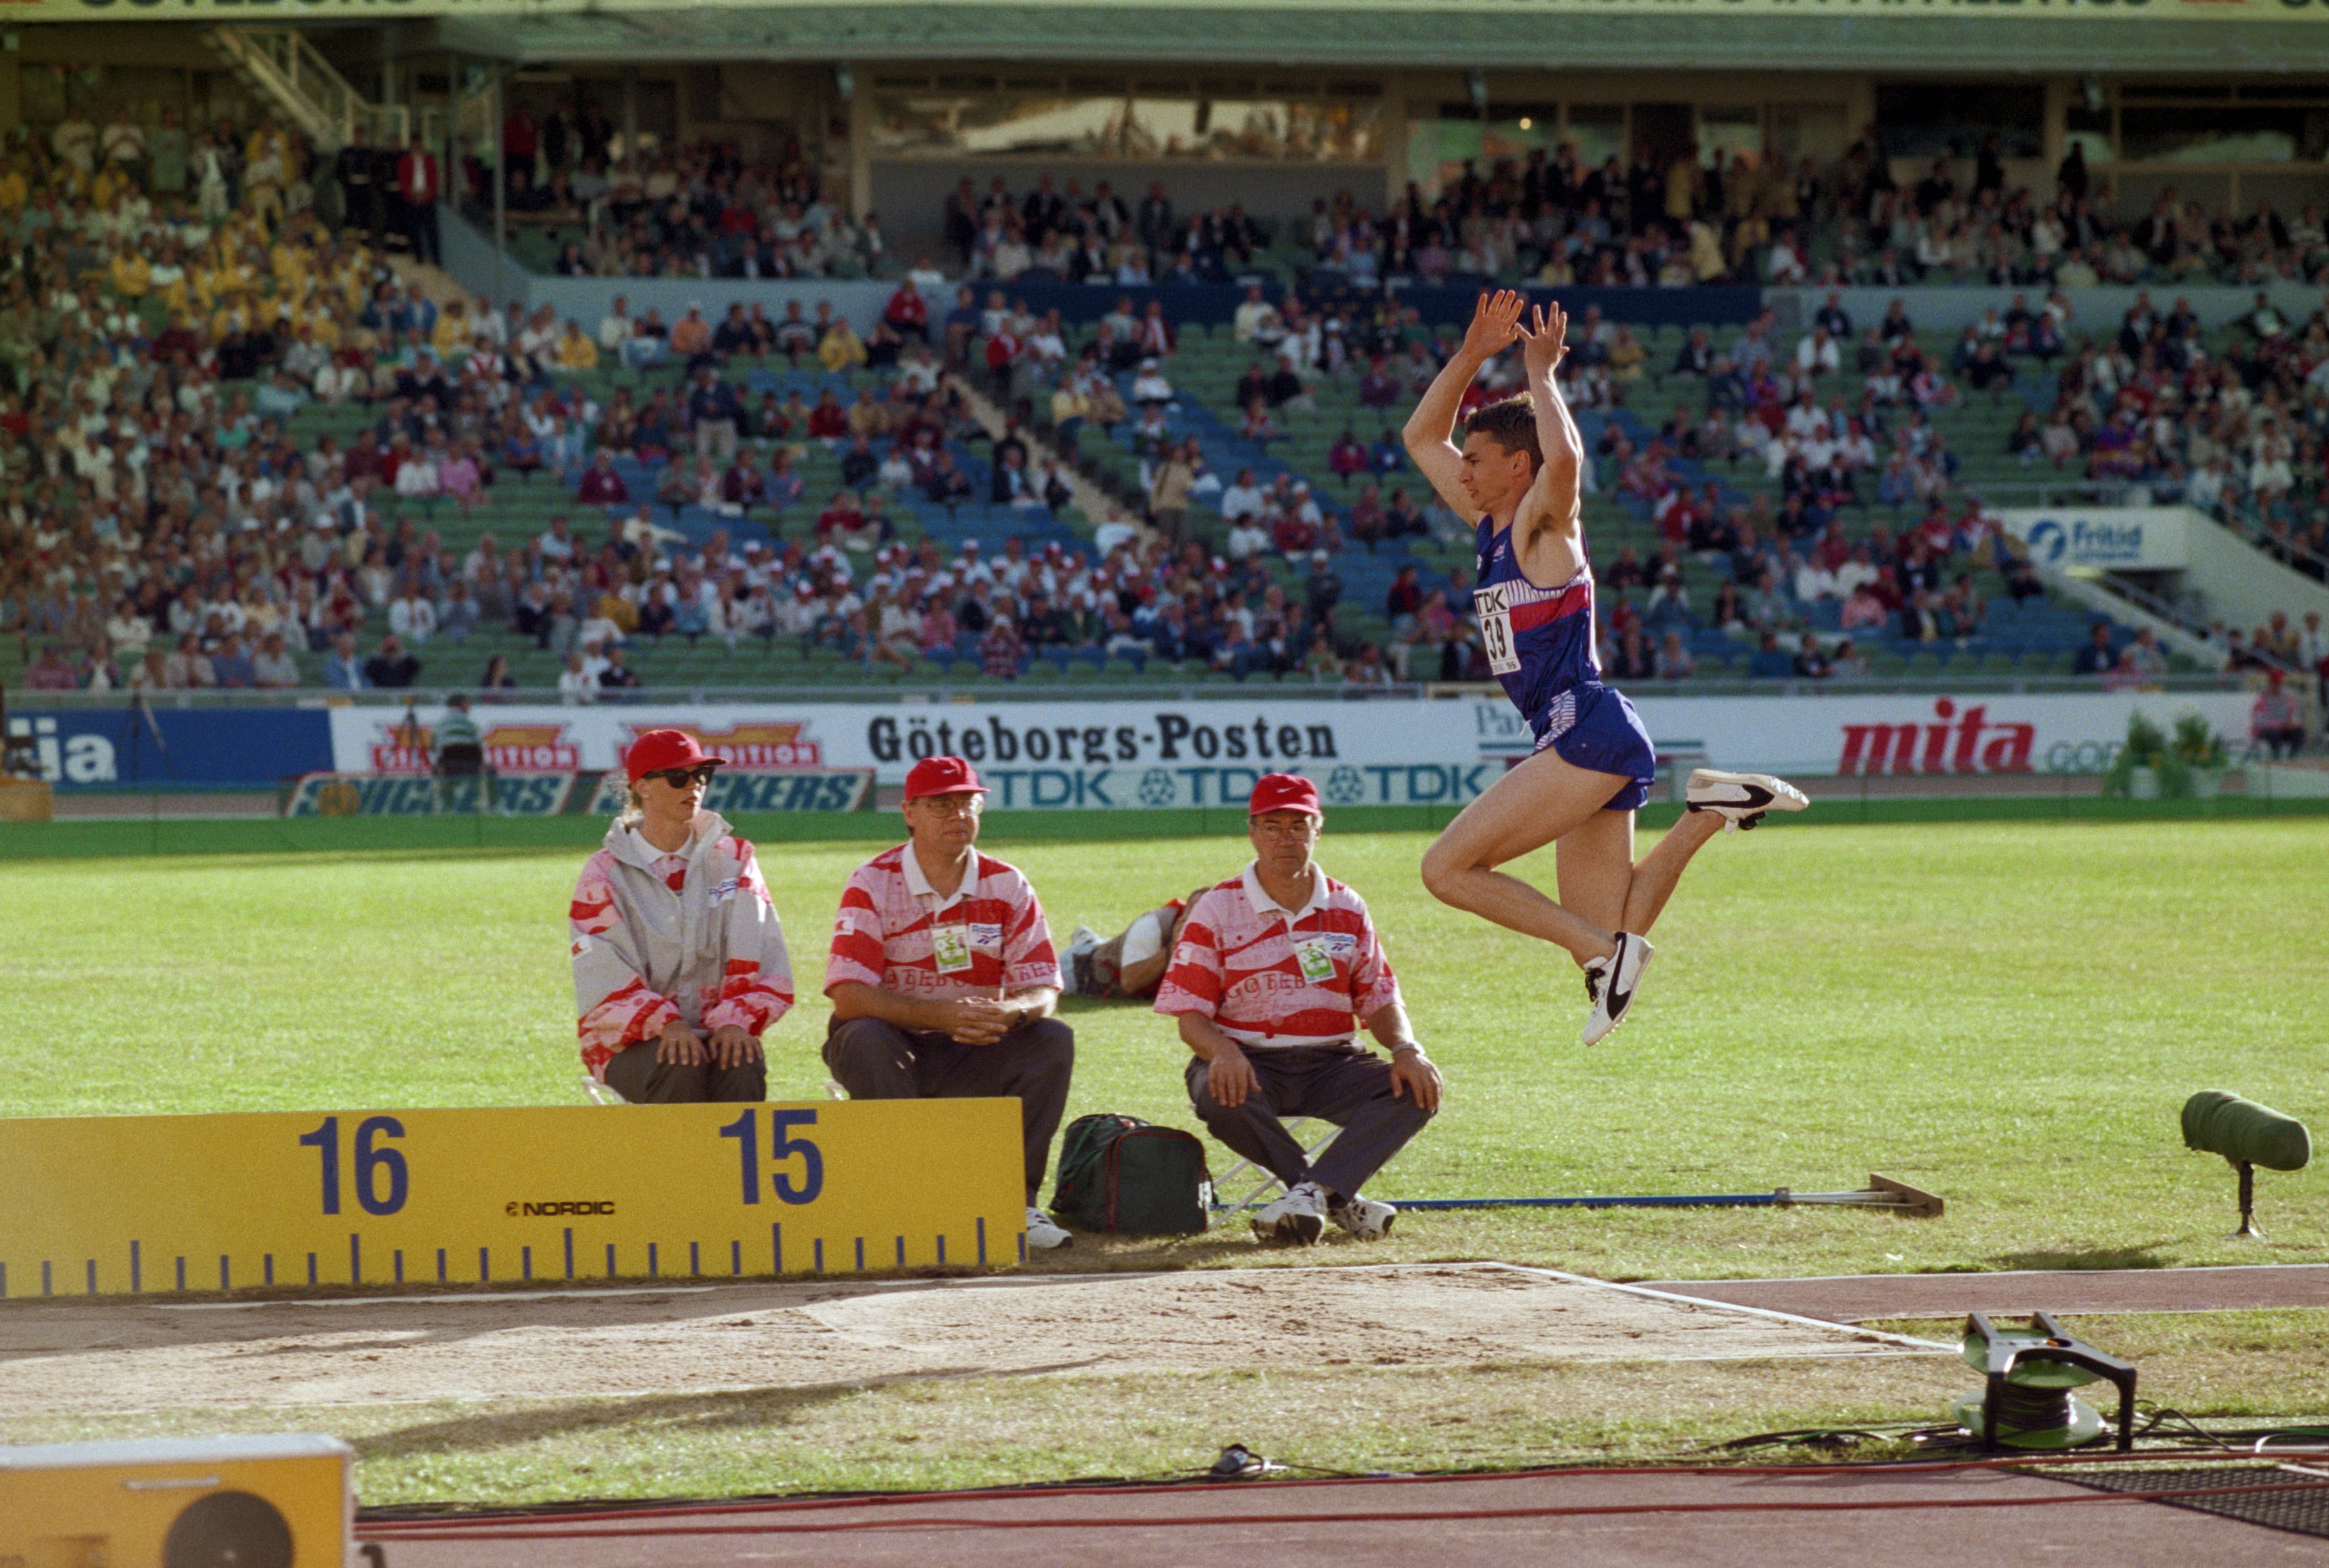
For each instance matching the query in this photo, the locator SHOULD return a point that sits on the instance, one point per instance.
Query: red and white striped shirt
(895, 932)
(1269, 976)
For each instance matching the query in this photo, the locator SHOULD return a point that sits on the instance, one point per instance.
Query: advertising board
(2103, 538)
(161, 747)
(1377, 752)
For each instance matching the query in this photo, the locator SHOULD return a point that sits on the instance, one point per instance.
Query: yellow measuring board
(125, 1205)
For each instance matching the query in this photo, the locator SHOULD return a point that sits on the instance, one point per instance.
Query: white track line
(2015, 1274)
(1922, 1346)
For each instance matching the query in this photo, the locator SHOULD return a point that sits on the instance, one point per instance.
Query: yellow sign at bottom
(126, 1204)
(251, 1500)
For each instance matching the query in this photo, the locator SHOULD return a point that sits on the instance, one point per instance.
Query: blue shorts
(1595, 728)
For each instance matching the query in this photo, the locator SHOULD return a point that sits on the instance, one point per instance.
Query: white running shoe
(1741, 799)
(1045, 1234)
(1613, 982)
(1297, 1217)
(1362, 1218)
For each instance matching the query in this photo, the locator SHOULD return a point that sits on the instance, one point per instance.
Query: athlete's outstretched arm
(1496, 322)
(1552, 503)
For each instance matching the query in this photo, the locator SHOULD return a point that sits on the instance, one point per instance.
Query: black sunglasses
(680, 778)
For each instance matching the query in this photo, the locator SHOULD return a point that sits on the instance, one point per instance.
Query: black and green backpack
(1129, 1177)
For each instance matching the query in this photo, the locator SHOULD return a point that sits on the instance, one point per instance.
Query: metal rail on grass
(1881, 1193)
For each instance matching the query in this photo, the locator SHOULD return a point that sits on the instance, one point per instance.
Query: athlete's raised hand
(1543, 341)
(1496, 322)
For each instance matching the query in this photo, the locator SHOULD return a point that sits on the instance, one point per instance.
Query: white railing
(307, 87)
(2243, 518)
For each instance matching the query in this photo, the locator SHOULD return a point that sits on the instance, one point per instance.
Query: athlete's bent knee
(1444, 870)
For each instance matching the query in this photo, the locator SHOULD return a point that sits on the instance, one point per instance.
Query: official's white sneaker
(1363, 1217)
(1297, 1217)
(1044, 1234)
(1741, 799)
(1613, 982)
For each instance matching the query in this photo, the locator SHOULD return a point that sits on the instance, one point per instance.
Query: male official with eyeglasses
(679, 960)
(1273, 969)
(943, 978)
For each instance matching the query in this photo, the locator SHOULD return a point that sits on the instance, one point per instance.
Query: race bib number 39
(1495, 620)
(950, 945)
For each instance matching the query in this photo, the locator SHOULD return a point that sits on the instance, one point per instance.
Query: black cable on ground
(1845, 1438)
(2166, 1416)
(433, 1512)
(1947, 1437)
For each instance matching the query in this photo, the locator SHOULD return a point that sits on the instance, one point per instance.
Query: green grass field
(2007, 1013)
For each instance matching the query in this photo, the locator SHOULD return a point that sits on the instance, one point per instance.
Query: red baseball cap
(657, 750)
(1283, 792)
(942, 776)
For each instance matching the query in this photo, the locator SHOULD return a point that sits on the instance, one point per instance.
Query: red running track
(1770, 1517)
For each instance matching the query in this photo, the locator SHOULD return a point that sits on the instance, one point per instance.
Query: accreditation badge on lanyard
(950, 945)
(1314, 957)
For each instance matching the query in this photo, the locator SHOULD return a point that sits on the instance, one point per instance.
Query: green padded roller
(2215, 1123)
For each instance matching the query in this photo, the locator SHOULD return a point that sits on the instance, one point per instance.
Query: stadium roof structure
(2016, 36)
(2264, 37)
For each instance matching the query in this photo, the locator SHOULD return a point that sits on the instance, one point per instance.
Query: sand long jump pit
(98, 1355)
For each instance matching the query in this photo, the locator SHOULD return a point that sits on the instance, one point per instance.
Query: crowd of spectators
(699, 210)
(1848, 434)
(1673, 222)
(2152, 409)
(171, 301)
(160, 529)
(1844, 420)
(904, 604)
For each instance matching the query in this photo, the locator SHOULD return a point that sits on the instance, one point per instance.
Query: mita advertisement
(1129, 755)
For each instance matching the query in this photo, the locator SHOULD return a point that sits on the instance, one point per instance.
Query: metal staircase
(282, 65)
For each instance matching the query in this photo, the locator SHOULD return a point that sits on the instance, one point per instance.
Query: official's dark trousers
(1338, 1083)
(361, 210)
(877, 1060)
(420, 230)
(639, 1078)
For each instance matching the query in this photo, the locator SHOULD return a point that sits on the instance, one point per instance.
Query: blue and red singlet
(1540, 647)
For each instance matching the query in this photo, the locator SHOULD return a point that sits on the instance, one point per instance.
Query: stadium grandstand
(755, 348)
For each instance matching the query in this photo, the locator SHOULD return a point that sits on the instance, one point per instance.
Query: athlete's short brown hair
(1511, 423)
